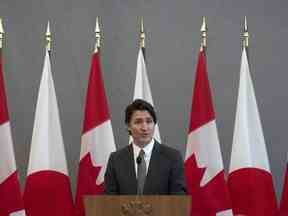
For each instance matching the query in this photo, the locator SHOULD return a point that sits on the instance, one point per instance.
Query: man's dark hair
(139, 105)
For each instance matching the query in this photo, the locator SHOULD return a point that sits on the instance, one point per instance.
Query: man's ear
(128, 130)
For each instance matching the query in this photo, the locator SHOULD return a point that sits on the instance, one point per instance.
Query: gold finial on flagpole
(48, 37)
(142, 33)
(203, 31)
(97, 35)
(245, 34)
(1, 34)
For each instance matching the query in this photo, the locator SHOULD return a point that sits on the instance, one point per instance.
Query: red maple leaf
(86, 184)
(210, 198)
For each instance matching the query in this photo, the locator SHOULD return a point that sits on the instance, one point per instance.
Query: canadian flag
(47, 189)
(142, 88)
(203, 161)
(10, 195)
(283, 211)
(250, 181)
(97, 140)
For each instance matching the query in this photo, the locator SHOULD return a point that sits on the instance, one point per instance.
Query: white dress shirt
(148, 151)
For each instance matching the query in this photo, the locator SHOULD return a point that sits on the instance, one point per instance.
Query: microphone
(138, 160)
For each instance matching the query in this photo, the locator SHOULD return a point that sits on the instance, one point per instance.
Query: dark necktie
(141, 172)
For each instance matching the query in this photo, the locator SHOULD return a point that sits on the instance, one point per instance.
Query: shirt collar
(147, 149)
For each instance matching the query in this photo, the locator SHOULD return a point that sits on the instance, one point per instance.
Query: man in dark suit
(145, 166)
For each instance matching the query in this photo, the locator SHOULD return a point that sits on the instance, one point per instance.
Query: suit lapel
(152, 169)
(130, 166)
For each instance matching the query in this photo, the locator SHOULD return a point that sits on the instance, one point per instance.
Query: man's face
(141, 127)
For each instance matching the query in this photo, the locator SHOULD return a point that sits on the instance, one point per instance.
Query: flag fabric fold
(283, 210)
(47, 188)
(142, 88)
(203, 161)
(11, 203)
(97, 140)
(250, 181)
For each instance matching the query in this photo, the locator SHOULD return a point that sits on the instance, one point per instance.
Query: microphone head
(138, 160)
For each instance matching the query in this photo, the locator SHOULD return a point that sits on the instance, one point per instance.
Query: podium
(132, 205)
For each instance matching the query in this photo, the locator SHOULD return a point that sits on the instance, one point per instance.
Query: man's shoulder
(168, 151)
(122, 151)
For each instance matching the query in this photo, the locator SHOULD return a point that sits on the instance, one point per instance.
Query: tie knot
(142, 153)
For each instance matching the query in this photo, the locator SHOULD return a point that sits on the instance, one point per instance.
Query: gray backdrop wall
(173, 39)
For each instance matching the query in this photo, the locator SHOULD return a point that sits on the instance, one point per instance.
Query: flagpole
(142, 37)
(1, 34)
(245, 37)
(203, 31)
(48, 38)
(245, 34)
(97, 36)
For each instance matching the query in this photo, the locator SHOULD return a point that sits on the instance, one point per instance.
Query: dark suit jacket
(165, 172)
